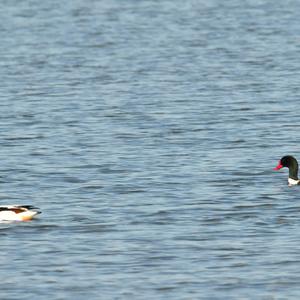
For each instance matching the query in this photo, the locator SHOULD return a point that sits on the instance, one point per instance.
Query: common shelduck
(291, 163)
(17, 212)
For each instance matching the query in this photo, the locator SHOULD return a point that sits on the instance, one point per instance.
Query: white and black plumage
(17, 212)
(291, 163)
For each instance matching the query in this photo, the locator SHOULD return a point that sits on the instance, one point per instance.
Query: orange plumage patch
(17, 210)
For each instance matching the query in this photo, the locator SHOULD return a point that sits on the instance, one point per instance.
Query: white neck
(292, 181)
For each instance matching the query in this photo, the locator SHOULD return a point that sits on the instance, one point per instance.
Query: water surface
(146, 131)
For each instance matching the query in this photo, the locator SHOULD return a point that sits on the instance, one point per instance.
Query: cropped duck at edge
(291, 163)
(18, 212)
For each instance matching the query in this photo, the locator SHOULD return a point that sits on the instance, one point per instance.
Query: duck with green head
(291, 163)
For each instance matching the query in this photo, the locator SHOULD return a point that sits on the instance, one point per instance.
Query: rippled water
(146, 131)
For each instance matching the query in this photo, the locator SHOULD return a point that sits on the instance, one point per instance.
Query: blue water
(146, 132)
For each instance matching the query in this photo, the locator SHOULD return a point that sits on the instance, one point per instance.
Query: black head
(290, 162)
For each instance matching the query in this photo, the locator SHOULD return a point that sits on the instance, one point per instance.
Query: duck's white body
(17, 212)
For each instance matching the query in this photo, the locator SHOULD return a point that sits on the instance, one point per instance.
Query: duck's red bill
(279, 166)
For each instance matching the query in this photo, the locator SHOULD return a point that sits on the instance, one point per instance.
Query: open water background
(146, 131)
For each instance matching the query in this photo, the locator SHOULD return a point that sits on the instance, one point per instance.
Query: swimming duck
(17, 212)
(291, 163)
